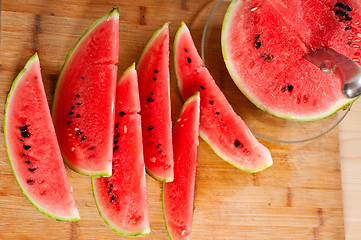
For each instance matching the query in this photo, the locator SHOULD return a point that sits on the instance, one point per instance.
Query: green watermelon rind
(150, 42)
(33, 202)
(203, 136)
(146, 231)
(163, 210)
(342, 104)
(113, 12)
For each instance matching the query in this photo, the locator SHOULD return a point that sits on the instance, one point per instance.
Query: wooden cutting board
(298, 198)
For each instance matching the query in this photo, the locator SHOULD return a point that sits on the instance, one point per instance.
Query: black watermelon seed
(110, 190)
(238, 144)
(79, 132)
(263, 54)
(151, 93)
(211, 102)
(342, 13)
(269, 58)
(115, 142)
(77, 116)
(348, 8)
(25, 134)
(23, 128)
(202, 87)
(186, 50)
(77, 95)
(30, 181)
(160, 151)
(21, 140)
(27, 162)
(72, 107)
(283, 89)
(154, 79)
(189, 60)
(70, 122)
(257, 36)
(70, 113)
(150, 100)
(107, 182)
(92, 148)
(348, 18)
(150, 128)
(257, 44)
(24, 155)
(290, 87)
(79, 103)
(159, 145)
(348, 28)
(338, 12)
(115, 148)
(113, 198)
(116, 136)
(340, 5)
(218, 113)
(83, 138)
(156, 71)
(32, 169)
(82, 77)
(121, 114)
(349, 43)
(26, 147)
(116, 126)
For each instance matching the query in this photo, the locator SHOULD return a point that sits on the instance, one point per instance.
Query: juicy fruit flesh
(33, 149)
(83, 108)
(178, 196)
(122, 198)
(264, 44)
(154, 90)
(220, 126)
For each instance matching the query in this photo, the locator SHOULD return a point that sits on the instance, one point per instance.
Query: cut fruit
(178, 196)
(264, 44)
(154, 91)
(33, 149)
(122, 198)
(83, 107)
(220, 126)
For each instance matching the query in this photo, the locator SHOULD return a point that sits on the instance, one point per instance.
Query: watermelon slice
(154, 90)
(122, 198)
(178, 196)
(220, 126)
(33, 149)
(264, 44)
(83, 107)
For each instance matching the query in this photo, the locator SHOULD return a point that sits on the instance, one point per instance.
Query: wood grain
(299, 198)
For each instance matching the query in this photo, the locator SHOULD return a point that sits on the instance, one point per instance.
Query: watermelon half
(154, 91)
(33, 149)
(264, 44)
(83, 106)
(220, 126)
(122, 198)
(178, 196)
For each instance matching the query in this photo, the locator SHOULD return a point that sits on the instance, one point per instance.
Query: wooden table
(298, 198)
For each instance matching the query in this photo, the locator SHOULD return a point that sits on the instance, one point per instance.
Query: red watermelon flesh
(83, 107)
(264, 42)
(122, 198)
(220, 126)
(178, 196)
(33, 149)
(154, 90)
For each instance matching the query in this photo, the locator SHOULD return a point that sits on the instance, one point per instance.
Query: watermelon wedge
(83, 106)
(122, 198)
(220, 126)
(33, 149)
(154, 90)
(264, 44)
(178, 196)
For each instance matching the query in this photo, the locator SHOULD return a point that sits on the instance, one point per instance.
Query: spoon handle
(349, 72)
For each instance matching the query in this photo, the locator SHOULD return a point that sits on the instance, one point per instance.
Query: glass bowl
(261, 123)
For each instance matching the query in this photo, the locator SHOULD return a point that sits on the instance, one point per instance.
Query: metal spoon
(330, 61)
